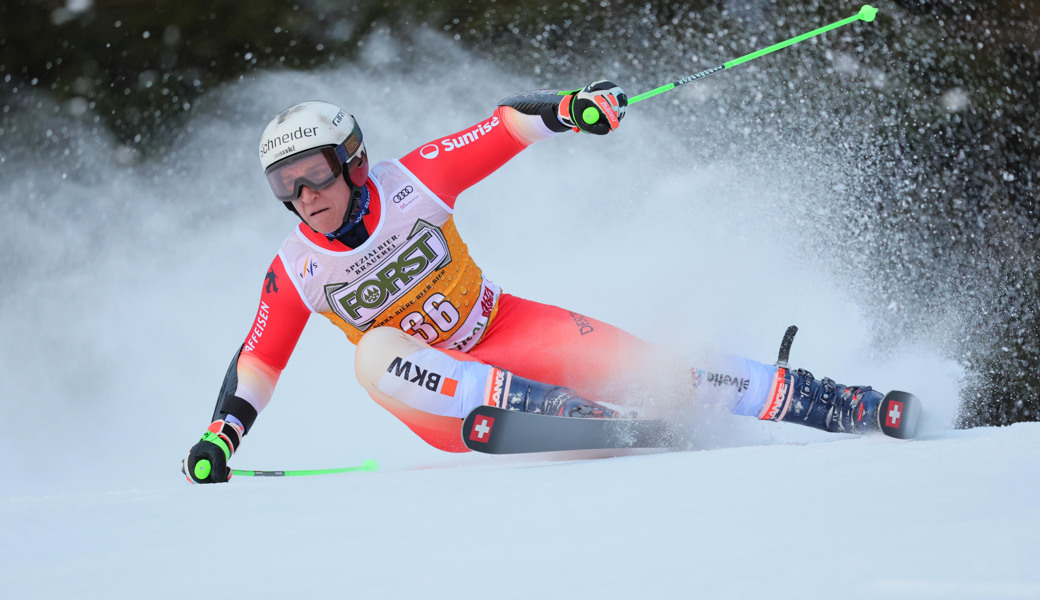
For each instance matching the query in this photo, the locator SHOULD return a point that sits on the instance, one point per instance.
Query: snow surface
(119, 333)
(951, 516)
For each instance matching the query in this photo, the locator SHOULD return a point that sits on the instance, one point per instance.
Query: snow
(111, 366)
(953, 515)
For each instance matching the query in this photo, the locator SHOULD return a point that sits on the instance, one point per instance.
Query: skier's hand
(598, 108)
(207, 460)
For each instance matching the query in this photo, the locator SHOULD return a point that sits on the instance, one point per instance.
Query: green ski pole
(866, 13)
(368, 465)
(203, 467)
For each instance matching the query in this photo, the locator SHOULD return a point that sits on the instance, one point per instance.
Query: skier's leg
(774, 393)
(740, 384)
(432, 390)
(597, 360)
(607, 364)
(429, 390)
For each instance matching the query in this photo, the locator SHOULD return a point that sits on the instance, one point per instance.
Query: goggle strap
(352, 144)
(341, 153)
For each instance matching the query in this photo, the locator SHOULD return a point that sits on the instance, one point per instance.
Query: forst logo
(392, 277)
(360, 302)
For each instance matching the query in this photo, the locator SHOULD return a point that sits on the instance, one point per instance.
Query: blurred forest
(951, 214)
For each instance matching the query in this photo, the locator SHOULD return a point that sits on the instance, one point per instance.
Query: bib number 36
(438, 315)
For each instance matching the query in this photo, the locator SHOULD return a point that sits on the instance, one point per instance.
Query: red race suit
(415, 273)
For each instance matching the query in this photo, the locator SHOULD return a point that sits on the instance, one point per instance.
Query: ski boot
(511, 392)
(797, 397)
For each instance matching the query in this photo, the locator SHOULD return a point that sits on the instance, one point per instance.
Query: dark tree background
(951, 211)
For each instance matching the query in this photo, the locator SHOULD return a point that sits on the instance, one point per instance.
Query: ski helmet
(306, 130)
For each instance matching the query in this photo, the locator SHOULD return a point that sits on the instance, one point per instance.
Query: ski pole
(866, 13)
(368, 465)
(203, 468)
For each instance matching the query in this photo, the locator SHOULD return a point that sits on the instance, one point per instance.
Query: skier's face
(324, 209)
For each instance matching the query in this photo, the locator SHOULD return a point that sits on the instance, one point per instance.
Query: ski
(494, 430)
(899, 414)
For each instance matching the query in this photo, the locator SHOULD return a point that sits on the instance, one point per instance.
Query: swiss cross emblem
(481, 431)
(895, 414)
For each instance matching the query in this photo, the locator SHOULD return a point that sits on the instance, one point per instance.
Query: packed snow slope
(953, 515)
(131, 283)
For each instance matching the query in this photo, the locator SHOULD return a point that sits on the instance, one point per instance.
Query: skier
(378, 254)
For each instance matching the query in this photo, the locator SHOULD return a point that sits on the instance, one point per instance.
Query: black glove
(207, 460)
(598, 108)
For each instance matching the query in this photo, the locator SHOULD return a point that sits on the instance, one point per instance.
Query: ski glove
(207, 460)
(598, 108)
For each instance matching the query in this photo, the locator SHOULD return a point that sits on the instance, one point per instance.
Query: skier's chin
(322, 221)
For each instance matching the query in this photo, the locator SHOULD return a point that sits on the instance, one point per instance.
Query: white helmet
(311, 128)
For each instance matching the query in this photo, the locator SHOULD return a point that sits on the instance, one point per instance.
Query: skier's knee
(377, 349)
(394, 366)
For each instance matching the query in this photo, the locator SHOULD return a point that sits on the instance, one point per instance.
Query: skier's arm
(256, 367)
(451, 164)
(456, 162)
(252, 376)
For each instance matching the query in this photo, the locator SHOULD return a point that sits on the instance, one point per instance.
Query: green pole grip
(203, 469)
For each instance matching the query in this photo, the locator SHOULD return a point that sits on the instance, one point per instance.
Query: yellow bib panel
(414, 272)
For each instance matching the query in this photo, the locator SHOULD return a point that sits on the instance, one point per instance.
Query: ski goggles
(316, 168)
